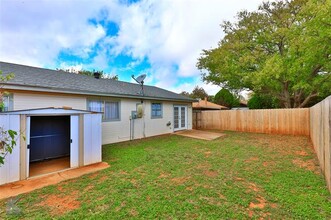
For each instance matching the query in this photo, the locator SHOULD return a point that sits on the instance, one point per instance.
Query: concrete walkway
(24, 186)
(199, 134)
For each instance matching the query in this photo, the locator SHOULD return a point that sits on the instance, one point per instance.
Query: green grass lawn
(238, 176)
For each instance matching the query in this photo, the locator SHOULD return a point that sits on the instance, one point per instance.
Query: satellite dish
(140, 80)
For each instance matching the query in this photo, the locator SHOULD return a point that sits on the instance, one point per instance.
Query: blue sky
(160, 38)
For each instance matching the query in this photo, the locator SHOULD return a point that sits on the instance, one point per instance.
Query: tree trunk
(287, 98)
(307, 99)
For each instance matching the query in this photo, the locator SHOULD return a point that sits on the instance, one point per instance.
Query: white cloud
(169, 34)
(173, 33)
(188, 87)
(34, 32)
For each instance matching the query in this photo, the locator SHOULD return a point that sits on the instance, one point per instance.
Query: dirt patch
(238, 179)
(308, 164)
(180, 180)
(89, 187)
(163, 175)
(210, 173)
(60, 188)
(301, 153)
(250, 213)
(221, 196)
(284, 145)
(253, 187)
(134, 212)
(207, 154)
(60, 204)
(92, 176)
(260, 204)
(102, 207)
(251, 159)
(102, 179)
(123, 204)
(203, 166)
(268, 163)
(190, 188)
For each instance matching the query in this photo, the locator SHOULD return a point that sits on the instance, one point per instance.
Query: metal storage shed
(48, 136)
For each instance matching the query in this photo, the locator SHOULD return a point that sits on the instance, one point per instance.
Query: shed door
(92, 138)
(49, 137)
(74, 136)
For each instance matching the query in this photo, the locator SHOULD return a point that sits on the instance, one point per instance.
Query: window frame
(161, 110)
(103, 101)
(8, 100)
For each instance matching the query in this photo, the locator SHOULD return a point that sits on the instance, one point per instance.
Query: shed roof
(40, 79)
(49, 110)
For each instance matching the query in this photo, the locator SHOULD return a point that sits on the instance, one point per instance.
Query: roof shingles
(60, 81)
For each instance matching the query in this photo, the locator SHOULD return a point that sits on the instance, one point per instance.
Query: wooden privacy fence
(275, 121)
(320, 134)
(314, 122)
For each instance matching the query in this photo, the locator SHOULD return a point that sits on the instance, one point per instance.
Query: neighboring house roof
(205, 105)
(243, 103)
(39, 79)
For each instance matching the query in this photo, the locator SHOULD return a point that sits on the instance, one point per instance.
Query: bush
(258, 101)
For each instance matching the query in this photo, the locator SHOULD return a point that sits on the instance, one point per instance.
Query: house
(242, 106)
(203, 105)
(88, 112)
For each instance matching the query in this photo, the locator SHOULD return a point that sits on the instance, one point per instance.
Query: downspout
(144, 133)
(132, 129)
(130, 119)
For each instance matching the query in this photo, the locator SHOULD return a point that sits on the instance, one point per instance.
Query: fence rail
(275, 121)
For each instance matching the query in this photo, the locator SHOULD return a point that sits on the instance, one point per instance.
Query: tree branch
(307, 99)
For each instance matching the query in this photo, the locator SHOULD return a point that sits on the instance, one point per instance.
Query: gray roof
(39, 79)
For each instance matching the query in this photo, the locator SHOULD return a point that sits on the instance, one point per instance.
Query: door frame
(74, 142)
(180, 115)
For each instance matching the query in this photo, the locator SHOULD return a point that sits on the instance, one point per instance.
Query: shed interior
(49, 144)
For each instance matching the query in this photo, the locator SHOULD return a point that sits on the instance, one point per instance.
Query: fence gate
(196, 119)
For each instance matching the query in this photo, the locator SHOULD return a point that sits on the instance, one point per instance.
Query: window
(7, 103)
(156, 110)
(110, 109)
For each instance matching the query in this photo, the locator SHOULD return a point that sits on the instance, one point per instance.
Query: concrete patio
(24, 186)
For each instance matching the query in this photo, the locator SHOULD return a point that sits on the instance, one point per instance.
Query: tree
(102, 74)
(283, 50)
(7, 137)
(185, 93)
(226, 98)
(198, 93)
(91, 73)
(261, 101)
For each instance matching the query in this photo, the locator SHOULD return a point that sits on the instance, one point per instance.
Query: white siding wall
(10, 171)
(117, 131)
(114, 131)
(36, 100)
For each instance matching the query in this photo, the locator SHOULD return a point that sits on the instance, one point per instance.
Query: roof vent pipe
(96, 75)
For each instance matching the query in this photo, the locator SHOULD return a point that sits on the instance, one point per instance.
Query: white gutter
(40, 89)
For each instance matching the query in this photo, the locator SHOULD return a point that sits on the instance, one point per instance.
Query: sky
(160, 38)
